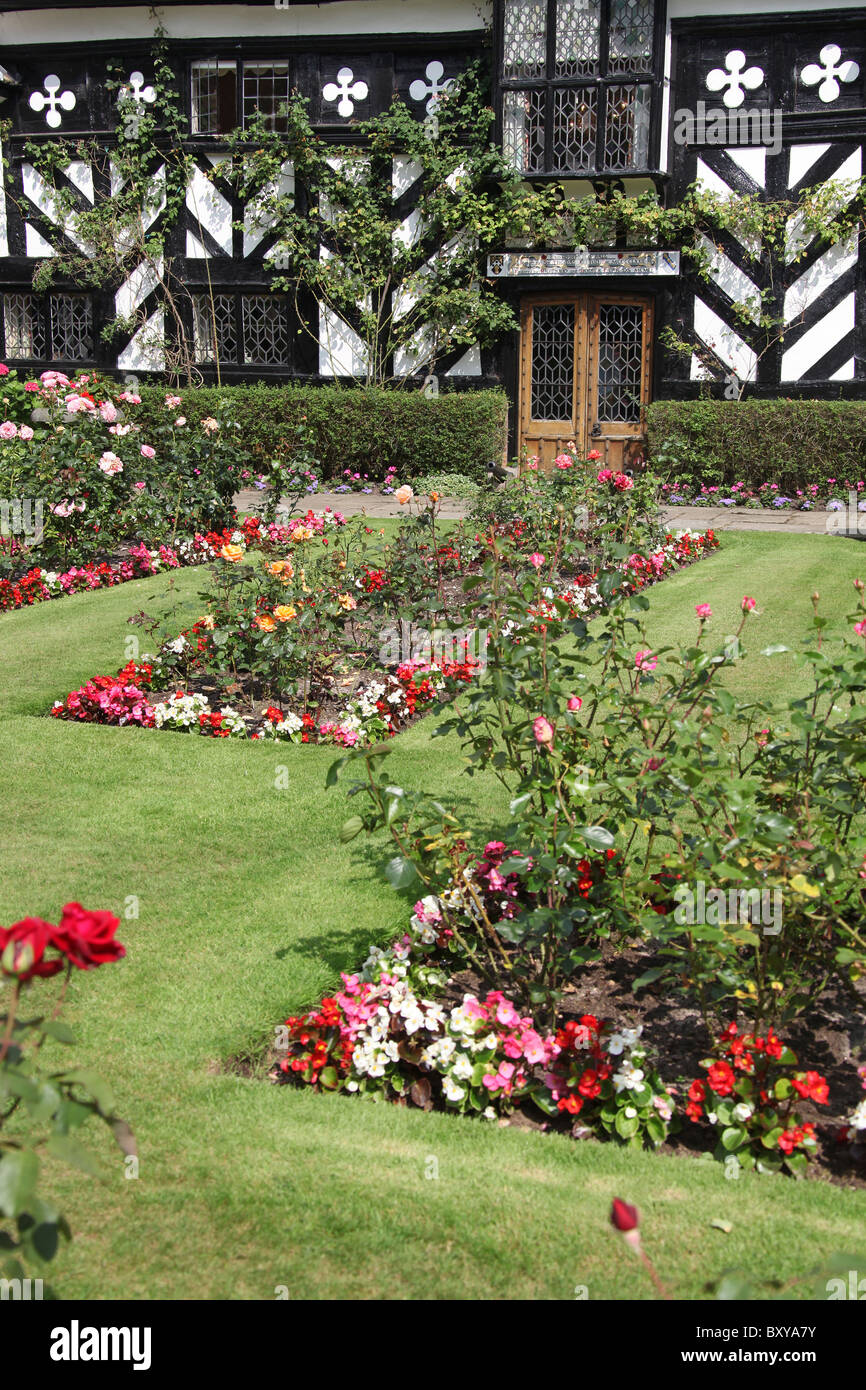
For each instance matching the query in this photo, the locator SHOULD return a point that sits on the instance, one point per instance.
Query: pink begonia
(703, 611)
(536, 560)
(25, 432)
(543, 730)
(8, 430)
(148, 451)
(645, 661)
(575, 703)
(748, 604)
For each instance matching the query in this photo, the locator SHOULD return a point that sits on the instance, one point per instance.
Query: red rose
(87, 938)
(624, 1216)
(23, 946)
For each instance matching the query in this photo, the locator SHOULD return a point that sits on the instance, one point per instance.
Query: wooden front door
(584, 376)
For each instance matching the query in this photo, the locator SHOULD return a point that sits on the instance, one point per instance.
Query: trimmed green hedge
(792, 443)
(367, 429)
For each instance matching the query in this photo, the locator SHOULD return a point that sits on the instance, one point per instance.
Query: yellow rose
(285, 613)
(207, 622)
(346, 601)
(232, 553)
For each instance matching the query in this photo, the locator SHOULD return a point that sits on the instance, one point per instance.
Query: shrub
(792, 443)
(366, 429)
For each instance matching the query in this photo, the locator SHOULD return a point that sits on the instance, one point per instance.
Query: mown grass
(248, 906)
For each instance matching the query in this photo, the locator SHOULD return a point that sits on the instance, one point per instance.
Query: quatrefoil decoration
(347, 89)
(735, 77)
(65, 101)
(830, 72)
(136, 89)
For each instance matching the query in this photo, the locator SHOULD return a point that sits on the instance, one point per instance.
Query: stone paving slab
(452, 508)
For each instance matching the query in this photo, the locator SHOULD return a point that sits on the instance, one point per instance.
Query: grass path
(249, 906)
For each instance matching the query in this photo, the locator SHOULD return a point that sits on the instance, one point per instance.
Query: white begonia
(451, 1090)
(712, 1117)
(858, 1118)
(488, 1113)
(628, 1078)
(742, 1112)
(462, 1068)
(630, 1112)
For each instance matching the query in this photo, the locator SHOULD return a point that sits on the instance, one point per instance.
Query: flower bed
(375, 709)
(405, 1029)
(767, 496)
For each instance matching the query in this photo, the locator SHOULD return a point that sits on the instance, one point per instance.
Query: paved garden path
(698, 518)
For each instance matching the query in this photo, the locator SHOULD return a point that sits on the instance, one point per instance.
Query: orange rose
(282, 569)
(300, 533)
(207, 622)
(232, 553)
(265, 622)
(285, 613)
(346, 601)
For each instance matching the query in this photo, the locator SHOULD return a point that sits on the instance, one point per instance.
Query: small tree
(410, 287)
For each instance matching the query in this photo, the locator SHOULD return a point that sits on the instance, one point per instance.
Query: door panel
(584, 376)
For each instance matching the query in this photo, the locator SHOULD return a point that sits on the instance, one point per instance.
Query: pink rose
(4, 370)
(860, 628)
(147, 451)
(181, 420)
(645, 661)
(8, 430)
(543, 730)
(574, 704)
(748, 604)
(536, 560)
(25, 432)
(703, 611)
(108, 412)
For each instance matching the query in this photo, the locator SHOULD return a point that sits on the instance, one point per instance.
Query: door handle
(596, 430)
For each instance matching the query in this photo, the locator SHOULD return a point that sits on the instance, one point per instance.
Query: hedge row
(792, 443)
(367, 429)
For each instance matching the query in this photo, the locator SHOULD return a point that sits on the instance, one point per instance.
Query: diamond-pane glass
(214, 331)
(71, 327)
(525, 46)
(523, 130)
(266, 330)
(552, 361)
(630, 36)
(577, 38)
(626, 132)
(574, 129)
(23, 326)
(620, 333)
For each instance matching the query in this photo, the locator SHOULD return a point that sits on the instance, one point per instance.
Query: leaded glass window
(620, 337)
(579, 79)
(54, 328)
(552, 370)
(241, 329)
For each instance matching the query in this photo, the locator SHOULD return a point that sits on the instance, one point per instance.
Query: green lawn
(249, 906)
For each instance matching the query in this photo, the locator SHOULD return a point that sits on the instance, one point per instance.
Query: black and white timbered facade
(594, 94)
